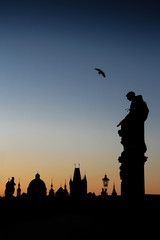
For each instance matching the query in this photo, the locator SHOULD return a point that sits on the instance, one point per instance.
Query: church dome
(37, 187)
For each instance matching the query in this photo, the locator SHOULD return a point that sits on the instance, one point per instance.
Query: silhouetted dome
(37, 187)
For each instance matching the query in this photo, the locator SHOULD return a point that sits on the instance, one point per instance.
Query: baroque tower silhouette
(78, 186)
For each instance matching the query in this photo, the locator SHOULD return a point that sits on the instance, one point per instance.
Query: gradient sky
(55, 110)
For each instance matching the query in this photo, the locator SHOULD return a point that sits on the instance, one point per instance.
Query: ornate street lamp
(105, 181)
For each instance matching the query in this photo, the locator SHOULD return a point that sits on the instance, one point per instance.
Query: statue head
(130, 95)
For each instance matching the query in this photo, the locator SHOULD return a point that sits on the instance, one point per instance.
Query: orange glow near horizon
(61, 171)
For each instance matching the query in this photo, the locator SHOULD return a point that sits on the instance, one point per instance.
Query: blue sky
(55, 109)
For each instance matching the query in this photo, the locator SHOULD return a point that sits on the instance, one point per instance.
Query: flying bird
(100, 72)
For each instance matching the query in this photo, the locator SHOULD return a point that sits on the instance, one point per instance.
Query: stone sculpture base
(132, 175)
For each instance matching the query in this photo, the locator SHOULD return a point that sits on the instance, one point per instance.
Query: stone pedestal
(132, 175)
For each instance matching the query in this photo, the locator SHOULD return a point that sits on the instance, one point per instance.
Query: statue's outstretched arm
(124, 120)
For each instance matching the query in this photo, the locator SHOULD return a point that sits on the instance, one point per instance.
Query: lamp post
(105, 181)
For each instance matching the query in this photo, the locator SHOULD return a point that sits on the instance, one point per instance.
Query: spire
(51, 183)
(65, 189)
(114, 193)
(65, 186)
(77, 175)
(19, 189)
(51, 191)
(85, 178)
(19, 183)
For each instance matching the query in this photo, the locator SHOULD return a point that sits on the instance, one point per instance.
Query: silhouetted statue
(132, 126)
(10, 188)
(132, 138)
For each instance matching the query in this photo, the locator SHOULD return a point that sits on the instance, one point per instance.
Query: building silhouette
(114, 193)
(19, 190)
(65, 189)
(37, 188)
(61, 193)
(51, 191)
(78, 186)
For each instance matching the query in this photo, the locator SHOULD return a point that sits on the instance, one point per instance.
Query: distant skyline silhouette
(54, 109)
(76, 188)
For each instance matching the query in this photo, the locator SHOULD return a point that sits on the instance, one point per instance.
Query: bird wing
(100, 72)
(103, 74)
(98, 69)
